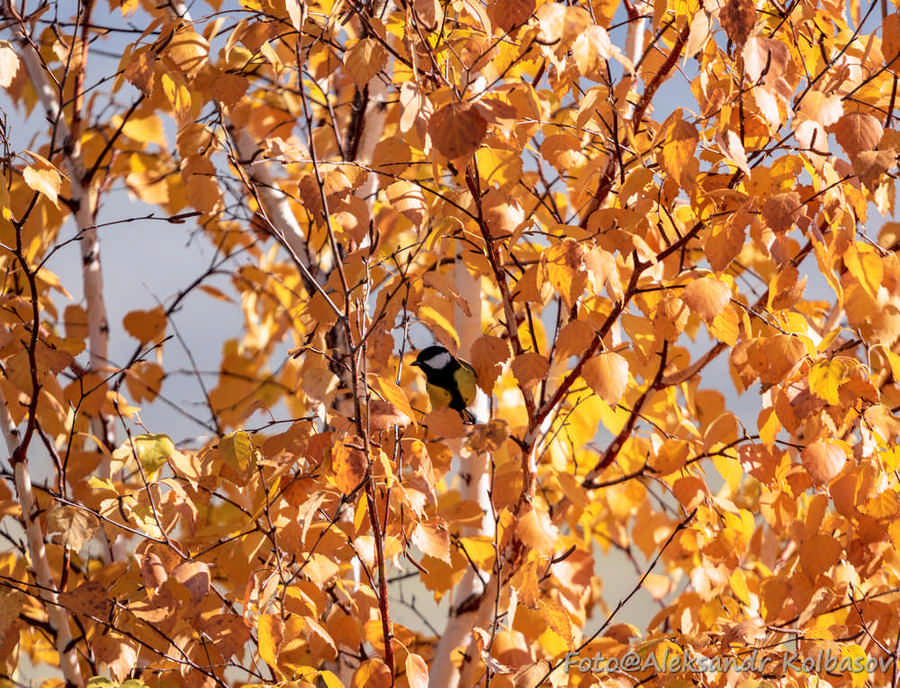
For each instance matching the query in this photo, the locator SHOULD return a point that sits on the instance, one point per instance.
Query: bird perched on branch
(449, 381)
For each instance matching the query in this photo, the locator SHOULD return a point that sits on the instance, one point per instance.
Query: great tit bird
(449, 381)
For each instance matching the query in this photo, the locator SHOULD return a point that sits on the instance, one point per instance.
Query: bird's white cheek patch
(438, 361)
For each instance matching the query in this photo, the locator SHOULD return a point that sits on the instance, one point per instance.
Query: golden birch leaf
(45, 180)
(890, 41)
(445, 422)
(822, 109)
(349, 466)
(188, 50)
(825, 377)
(270, 632)
(857, 132)
(144, 380)
(432, 540)
(9, 64)
(488, 356)
(574, 338)
(707, 297)
(392, 393)
(509, 14)
(764, 57)
(139, 70)
(71, 527)
(537, 531)
(91, 598)
(782, 210)
(823, 460)
(819, 553)
(193, 575)
(364, 60)
(372, 673)
(416, 671)
(294, 13)
(457, 129)
(529, 368)
(146, 326)
(870, 166)
(607, 375)
(591, 49)
(677, 157)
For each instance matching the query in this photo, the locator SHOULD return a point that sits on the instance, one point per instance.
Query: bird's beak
(416, 364)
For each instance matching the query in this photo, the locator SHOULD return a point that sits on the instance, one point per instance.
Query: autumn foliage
(658, 230)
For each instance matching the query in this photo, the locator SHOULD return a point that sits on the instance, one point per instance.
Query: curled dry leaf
(71, 527)
(457, 129)
(738, 18)
(823, 460)
(707, 297)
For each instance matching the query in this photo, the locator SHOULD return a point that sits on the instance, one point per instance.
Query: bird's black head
(433, 359)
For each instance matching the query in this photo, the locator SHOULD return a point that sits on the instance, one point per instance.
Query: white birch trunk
(56, 615)
(457, 636)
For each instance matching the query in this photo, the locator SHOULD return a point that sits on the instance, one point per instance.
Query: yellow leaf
(364, 60)
(270, 629)
(392, 393)
(45, 180)
(237, 451)
(677, 156)
(824, 379)
(607, 375)
(9, 64)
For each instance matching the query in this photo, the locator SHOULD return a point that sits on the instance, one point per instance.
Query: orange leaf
(146, 326)
(529, 368)
(857, 132)
(364, 60)
(823, 460)
(537, 531)
(607, 375)
(432, 540)
(707, 297)
(488, 356)
(349, 466)
(508, 14)
(782, 210)
(457, 129)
